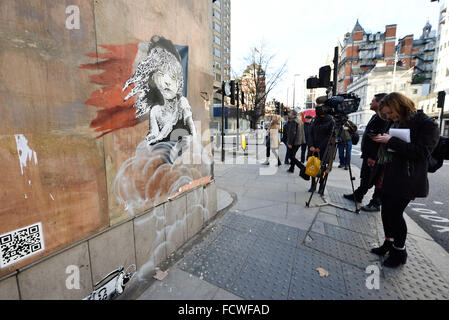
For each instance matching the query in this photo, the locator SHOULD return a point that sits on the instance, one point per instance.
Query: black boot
(352, 197)
(396, 258)
(383, 249)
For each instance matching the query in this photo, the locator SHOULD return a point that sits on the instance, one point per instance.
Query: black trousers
(392, 213)
(275, 153)
(303, 152)
(368, 178)
(293, 160)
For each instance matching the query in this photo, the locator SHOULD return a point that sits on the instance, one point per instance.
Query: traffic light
(278, 107)
(232, 94)
(441, 96)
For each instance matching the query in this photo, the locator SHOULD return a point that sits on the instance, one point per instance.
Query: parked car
(361, 129)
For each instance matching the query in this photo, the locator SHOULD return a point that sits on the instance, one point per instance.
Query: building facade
(361, 51)
(221, 44)
(418, 53)
(382, 79)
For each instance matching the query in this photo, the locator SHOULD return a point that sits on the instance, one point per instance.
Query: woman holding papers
(403, 153)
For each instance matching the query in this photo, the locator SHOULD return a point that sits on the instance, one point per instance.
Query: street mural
(143, 82)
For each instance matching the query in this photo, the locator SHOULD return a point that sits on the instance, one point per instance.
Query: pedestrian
(345, 143)
(322, 129)
(295, 139)
(307, 132)
(405, 170)
(284, 140)
(370, 173)
(273, 140)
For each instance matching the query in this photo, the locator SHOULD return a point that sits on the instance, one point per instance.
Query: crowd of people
(394, 166)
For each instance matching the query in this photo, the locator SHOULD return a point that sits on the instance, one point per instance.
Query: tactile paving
(366, 228)
(418, 278)
(305, 270)
(218, 267)
(344, 235)
(281, 233)
(261, 281)
(272, 254)
(347, 253)
(243, 223)
(355, 280)
(306, 290)
(234, 240)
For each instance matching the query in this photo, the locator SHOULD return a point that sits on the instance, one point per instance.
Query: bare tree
(258, 79)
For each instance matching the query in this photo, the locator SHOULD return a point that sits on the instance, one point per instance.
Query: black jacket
(285, 132)
(369, 148)
(322, 129)
(308, 133)
(406, 175)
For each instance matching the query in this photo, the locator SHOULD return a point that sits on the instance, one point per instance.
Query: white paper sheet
(403, 134)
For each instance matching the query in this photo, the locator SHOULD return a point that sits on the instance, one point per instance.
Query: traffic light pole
(238, 124)
(222, 121)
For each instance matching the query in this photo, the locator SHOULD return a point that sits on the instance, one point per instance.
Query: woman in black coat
(405, 170)
(321, 132)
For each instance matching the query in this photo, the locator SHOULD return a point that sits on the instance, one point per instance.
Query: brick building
(361, 50)
(418, 53)
(254, 88)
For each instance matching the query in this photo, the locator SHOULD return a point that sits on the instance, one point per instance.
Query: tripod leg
(357, 210)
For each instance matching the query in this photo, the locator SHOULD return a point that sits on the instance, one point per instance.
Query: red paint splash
(115, 113)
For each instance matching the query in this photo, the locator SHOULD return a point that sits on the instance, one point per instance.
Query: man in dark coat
(284, 140)
(370, 172)
(295, 139)
(308, 133)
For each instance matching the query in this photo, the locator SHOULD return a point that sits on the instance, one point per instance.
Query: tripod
(326, 168)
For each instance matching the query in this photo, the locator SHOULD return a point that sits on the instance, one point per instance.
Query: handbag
(313, 165)
(355, 138)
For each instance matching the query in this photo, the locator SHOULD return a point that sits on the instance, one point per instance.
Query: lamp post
(294, 89)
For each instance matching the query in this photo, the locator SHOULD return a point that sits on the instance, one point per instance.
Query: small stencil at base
(20, 244)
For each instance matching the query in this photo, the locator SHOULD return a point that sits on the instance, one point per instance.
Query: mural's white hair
(158, 59)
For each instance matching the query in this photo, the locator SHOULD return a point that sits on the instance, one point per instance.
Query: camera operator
(405, 170)
(349, 127)
(322, 130)
(369, 173)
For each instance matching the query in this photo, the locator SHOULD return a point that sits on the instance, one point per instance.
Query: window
(217, 65)
(217, 40)
(216, 14)
(217, 2)
(217, 52)
(415, 91)
(217, 76)
(217, 27)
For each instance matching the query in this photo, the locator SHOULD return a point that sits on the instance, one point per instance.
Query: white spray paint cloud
(24, 151)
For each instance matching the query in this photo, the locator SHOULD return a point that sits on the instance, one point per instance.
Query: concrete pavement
(266, 244)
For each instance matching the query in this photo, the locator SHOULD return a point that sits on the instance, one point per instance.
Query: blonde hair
(400, 104)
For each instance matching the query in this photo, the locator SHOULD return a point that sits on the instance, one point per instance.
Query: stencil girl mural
(142, 82)
(158, 86)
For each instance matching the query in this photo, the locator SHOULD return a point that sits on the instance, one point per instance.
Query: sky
(303, 33)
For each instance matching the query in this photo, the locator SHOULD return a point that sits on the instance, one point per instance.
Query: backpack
(439, 154)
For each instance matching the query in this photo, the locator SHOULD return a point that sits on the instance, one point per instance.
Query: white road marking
(438, 202)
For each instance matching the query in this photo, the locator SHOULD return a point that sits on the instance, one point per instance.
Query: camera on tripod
(336, 105)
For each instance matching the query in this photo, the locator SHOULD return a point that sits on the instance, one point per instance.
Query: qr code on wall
(20, 244)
